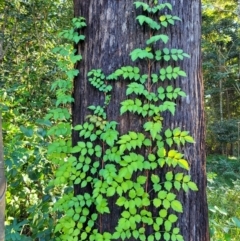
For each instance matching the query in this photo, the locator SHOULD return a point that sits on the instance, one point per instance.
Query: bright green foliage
(96, 78)
(223, 181)
(167, 54)
(127, 72)
(126, 166)
(72, 35)
(28, 66)
(156, 38)
(168, 19)
(171, 73)
(150, 22)
(141, 54)
(170, 93)
(155, 8)
(70, 169)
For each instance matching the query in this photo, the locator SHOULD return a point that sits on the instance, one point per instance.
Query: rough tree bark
(112, 33)
(2, 186)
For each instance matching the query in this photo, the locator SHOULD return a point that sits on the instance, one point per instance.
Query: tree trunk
(112, 33)
(2, 186)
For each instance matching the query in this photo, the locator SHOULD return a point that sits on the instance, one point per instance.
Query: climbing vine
(123, 165)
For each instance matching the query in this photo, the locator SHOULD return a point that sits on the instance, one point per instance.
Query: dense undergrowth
(28, 34)
(224, 197)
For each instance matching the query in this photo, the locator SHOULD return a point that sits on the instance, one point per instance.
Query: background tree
(221, 72)
(111, 34)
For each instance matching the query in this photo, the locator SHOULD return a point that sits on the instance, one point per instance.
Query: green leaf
(93, 137)
(176, 230)
(174, 57)
(162, 194)
(156, 38)
(27, 131)
(121, 201)
(166, 236)
(168, 133)
(172, 218)
(176, 206)
(169, 142)
(176, 131)
(85, 168)
(154, 78)
(178, 176)
(76, 149)
(157, 202)
(168, 185)
(166, 204)
(132, 193)
(179, 237)
(145, 202)
(125, 186)
(182, 73)
(164, 23)
(169, 69)
(142, 237)
(84, 236)
(151, 157)
(151, 23)
(184, 164)
(153, 127)
(126, 214)
(186, 178)
(163, 213)
(169, 176)
(166, 57)
(171, 196)
(189, 139)
(110, 191)
(150, 238)
(141, 179)
(177, 185)
(161, 152)
(169, 88)
(155, 178)
(116, 235)
(133, 135)
(145, 6)
(181, 93)
(192, 186)
(185, 187)
(147, 142)
(157, 235)
(119, 190)
(167, 225)
(141, 54)
(75, 58)
(135, 234)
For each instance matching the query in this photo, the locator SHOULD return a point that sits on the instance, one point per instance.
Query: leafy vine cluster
(121, 169)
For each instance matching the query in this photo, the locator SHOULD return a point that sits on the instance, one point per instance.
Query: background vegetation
(28, 33)
(221, 71)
